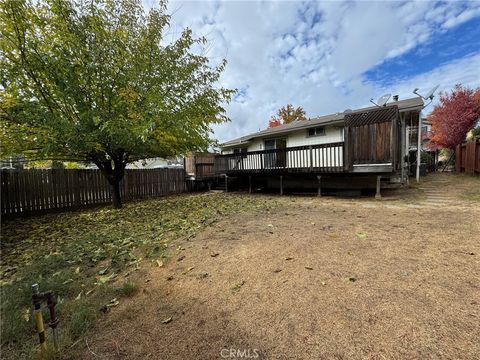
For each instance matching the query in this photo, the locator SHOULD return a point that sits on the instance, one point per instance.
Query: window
(238, 151)
(316, 131)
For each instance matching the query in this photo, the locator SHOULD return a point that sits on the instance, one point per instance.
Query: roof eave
(412, 108)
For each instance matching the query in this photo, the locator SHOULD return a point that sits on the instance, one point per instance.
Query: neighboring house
(156, 163)
(369, 141)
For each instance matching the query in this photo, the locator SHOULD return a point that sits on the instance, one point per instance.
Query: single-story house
(370, 141)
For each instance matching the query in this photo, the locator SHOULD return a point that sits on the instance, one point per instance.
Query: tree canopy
(286, 115)
(455, 115)
(98, 81)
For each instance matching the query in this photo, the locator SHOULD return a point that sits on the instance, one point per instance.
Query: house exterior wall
(300, 138)
(297, 138)
(302, 158)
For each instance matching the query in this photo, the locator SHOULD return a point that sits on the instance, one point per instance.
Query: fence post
(472, 157)
(458, 159)
(126, 188)
(76, 185)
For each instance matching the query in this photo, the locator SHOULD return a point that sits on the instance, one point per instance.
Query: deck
(373, 144)
(323, 158)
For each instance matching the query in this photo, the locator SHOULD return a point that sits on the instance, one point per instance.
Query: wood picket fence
(467, 158)
(40, 191)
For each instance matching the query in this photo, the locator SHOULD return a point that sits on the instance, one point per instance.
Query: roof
(415, 103)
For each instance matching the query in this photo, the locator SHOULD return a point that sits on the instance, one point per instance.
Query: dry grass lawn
(315, 278)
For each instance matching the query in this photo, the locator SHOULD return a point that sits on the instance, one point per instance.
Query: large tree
(286, 115)
(455, 115)
(97, 81)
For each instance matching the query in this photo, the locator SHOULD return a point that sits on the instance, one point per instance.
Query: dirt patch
(314, 278)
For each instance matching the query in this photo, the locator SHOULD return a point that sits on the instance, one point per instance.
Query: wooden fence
(467, 158)
(39, 191)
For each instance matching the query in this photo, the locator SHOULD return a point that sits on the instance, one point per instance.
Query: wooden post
(378, 195)
(76, 188)
(226, 183)
(281, 185)
(458, 159)
(311, 157)
(249, 184)
(419, 146)
(319, 194)
(346, 149)
(402, 147)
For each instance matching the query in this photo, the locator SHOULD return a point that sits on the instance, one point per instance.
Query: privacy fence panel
(467, 158)
(38, 191)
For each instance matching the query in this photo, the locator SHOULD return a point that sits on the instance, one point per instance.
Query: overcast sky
(330, 56)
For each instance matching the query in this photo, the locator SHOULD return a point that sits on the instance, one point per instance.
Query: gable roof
(415, 103)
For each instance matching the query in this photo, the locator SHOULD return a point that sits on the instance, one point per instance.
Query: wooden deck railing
(324, 158)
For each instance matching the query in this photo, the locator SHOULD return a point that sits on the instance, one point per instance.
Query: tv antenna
(382, 100)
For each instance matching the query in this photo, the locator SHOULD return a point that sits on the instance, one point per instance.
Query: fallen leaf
(180, 258)
(288, 258)
(238, 286)
(77, 270)
(167, 320)
(361, 235)
(103, 271)
(324, 283)
(277, 270)
(308, 268)
(26, 314)
(159, 263)
(214, 254)
(189, 269)
(79, 295)
(352, 279)
(104, 279)
(112, 303)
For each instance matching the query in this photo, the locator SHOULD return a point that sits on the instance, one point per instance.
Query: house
(156, 163)
(368, 144)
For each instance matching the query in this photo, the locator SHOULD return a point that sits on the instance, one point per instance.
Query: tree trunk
(113, 174)
(115, 190)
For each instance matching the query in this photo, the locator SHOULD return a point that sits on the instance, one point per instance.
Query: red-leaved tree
(286, 115)
(455, 115)
(273, 122)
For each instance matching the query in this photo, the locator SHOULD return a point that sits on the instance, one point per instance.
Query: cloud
(315, 54)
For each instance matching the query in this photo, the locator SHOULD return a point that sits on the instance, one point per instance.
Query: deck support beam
(250, 184)
(319, 178)
(378, 195)
(281, 185)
